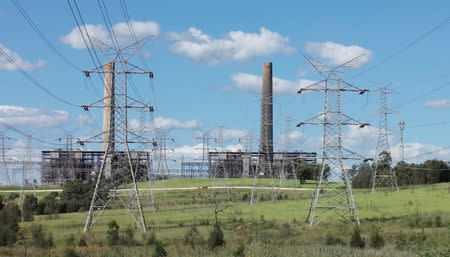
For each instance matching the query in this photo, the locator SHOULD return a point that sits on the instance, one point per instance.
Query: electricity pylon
(5, 178)
(162, 167)
(287, 160)
(401, 125)
(383, 174)
(119, 140)
(334, 198)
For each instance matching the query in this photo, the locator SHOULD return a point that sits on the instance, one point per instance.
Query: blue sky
(207, 58)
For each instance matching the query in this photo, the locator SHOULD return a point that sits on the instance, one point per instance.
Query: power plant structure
(264, 162)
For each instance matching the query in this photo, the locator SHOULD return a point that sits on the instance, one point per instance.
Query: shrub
(159, 251)
(82, 242)
(245, 197)
(70, 240)
(376, 238)
(39, 238)
(149, 238)
(333, 240)
(7, 236)
(400, 241)
(29, 206)
(438, 222)
(286, 229)
(128, 237)
(112, 234)
(216, 237)
(357, 241)
(13, 196)
(193, 237)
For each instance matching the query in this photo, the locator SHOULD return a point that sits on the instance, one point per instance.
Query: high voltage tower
(162, 167)
(334, 198)
(401, 125)
(287, 161)
(5, 178)
(119, 140)
(220, 167)
(204, 163)
(383, 174)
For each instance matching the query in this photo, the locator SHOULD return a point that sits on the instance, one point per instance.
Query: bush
(193, 237)
(376, 238)
(216, 238)
(333, 240)
(70, 240)
(7, 236)
(159, 251)
(39, 238)
(286, 229)
(149, 238)
(82, 242)
(112, 234)
(77, 195)
(245, 197)
(128, 237)
(13, 196)
(357, 241)
(438, 222)
(29, 206)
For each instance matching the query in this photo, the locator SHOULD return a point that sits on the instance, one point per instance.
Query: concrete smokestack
(109, 108)
(266, 143)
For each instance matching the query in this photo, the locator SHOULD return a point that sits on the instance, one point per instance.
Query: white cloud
(235, 46)
(229, 133)
(418, 152)
(32, 117)
(253, 84)
(5, 64)
(337, 54)
(166, 124)
(141, 29)
(444, 103)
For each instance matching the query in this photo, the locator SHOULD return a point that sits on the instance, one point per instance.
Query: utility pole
(383, 174)
(332, 198)
(162, 167)
(401, 125)
(118, 139)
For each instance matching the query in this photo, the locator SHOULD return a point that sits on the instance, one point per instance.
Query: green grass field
(178, 210)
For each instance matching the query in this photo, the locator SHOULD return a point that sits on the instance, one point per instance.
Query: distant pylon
(336, 197)
(162, 167)
(383, 174)
(204, 165)
(5, 178)
(401, 125)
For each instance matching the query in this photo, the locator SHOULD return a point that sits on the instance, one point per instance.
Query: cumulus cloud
(444, 103)
(5, 64)
(337, 54)
(32, 117)
(245, 82)
(163, 123)
(235, 46)
(141, 29)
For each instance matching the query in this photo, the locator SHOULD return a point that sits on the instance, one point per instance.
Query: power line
(42, 35)
(408, 46)
(18, 131)
(35, 82)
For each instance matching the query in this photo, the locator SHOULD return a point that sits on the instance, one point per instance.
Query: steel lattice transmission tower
(333, 198)
(401, 125)
(383, 174)
(5, 178)
(120, 140)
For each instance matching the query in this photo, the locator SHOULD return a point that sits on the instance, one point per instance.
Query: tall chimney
(109, 108)
(266, 143)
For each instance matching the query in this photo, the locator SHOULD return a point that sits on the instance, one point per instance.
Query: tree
(77, 195)
(376, 238)
(9, 223)
(310, 171)
(29, 206)
(112, 234)
(216, 238)
(39, 238)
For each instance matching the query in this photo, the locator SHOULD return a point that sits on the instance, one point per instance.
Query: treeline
(428, 172)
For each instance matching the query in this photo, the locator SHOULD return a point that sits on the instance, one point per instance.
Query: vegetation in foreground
(404, 223)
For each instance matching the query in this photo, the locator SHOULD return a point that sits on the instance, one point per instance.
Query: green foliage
(48, 205)
(13, 196)
(310, 171)
(287, 229)
(128, 236)
(193, 237)
(70, 240)
(112, 234)
(1, 202)
(216, 237)
(39, 238)
(29, 206)
(9, 223)
(376, 238)
(356, 240)
(82, 242)
(333, 240)
(159, 250)
(438, 221)
(149, 238)
(77, 195)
